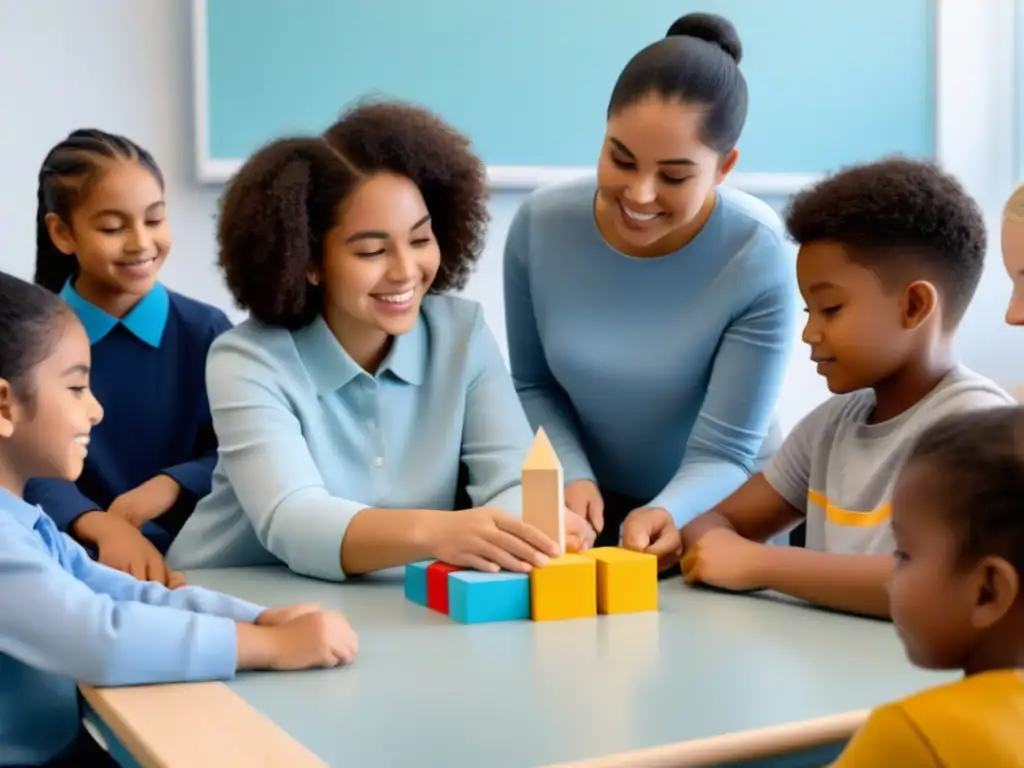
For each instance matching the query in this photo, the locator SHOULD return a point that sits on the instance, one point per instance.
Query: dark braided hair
(64, 179)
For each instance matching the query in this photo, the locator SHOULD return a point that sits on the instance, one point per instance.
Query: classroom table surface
(425, 690)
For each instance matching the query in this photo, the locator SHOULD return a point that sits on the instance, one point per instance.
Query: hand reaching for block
(579, 533)
(488, 540)
(652, 530)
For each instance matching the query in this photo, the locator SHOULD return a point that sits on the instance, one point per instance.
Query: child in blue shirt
(67, 618)
(102, 236)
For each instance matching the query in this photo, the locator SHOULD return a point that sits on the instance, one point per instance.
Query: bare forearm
(384, 538)
(849, 583)
(696, 528)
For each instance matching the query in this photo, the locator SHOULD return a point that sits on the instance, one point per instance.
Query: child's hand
(150, 500)
(722, 558)
(652, 530)
(123, 547)
(317, 639)
(176, 579)
(579, 533)
(273, 617)
(584, 498)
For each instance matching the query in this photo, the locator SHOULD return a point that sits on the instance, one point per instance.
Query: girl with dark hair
(102, 236)
(361, 402)
(68, 619)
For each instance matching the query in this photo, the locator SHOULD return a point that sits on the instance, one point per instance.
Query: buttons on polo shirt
(379, 461)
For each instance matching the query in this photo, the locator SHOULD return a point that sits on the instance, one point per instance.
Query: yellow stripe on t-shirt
(850, 518)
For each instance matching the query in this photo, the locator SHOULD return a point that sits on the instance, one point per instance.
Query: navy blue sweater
(148, 372)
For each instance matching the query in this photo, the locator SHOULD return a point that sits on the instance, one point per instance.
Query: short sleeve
(889, 737)
(789, 471)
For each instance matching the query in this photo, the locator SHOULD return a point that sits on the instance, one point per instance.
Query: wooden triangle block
(543, 491)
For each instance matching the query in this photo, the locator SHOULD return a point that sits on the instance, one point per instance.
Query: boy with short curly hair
(890, 255)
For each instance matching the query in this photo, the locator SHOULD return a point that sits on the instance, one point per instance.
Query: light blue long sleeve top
(657, 378)
(308, 439)
(66, 618)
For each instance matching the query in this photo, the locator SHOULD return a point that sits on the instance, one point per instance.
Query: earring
(312, 279)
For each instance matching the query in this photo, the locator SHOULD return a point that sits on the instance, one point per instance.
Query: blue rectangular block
(416, 582)
(475, 597)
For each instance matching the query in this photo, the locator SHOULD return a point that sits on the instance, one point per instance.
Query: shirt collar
(331, 367)
(19, 509)
(146, 321)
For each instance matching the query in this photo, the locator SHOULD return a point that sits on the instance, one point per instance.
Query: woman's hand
(487, 539)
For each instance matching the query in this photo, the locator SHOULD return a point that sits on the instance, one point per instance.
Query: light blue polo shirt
(308, 439)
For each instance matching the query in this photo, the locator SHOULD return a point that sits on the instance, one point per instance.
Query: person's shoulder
(750, 215)
(963, 389)
(562, 204)
(453, 319)
(977, 720)
(256, 342)
(751, 231)
(570, 194)
(997, 689)
(197, 314)
(15, 536)
(826, 417)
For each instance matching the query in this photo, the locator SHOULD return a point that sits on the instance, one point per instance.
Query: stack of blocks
(605, 580)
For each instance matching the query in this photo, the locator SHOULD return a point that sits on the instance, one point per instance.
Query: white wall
(124, 65)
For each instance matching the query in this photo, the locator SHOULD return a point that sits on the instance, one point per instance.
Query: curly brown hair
(278, 208)
(898, 216)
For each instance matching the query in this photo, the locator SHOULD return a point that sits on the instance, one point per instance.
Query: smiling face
(47, 420)
(119, 234)
(379, 261)
(655, 176)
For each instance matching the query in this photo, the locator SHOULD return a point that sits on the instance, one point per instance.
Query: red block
(437, 586)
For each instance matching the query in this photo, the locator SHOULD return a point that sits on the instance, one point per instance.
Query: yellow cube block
(627, 581)
(565, 588)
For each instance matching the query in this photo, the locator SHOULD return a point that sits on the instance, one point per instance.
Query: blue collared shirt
(65, 618)
(308, 439)
(148, 372)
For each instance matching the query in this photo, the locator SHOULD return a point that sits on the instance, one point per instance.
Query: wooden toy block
(565, 588)
(475, 597)
(543, 491)
(437, 585)
(627, 581)
(416, 582)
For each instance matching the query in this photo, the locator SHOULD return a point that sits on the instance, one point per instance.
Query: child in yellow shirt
(957, 599)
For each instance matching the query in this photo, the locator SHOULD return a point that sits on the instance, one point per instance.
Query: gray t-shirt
(840, 471)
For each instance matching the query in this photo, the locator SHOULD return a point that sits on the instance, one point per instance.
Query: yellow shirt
(977, 722)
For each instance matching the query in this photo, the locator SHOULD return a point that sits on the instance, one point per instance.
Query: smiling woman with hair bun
(650, 311)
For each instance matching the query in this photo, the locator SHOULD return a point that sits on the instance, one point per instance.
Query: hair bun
(712, 28)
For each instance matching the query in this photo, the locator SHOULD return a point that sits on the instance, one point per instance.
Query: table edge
(138, 716)
(736, 746)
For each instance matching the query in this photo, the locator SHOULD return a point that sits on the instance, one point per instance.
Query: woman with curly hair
(348, 402)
